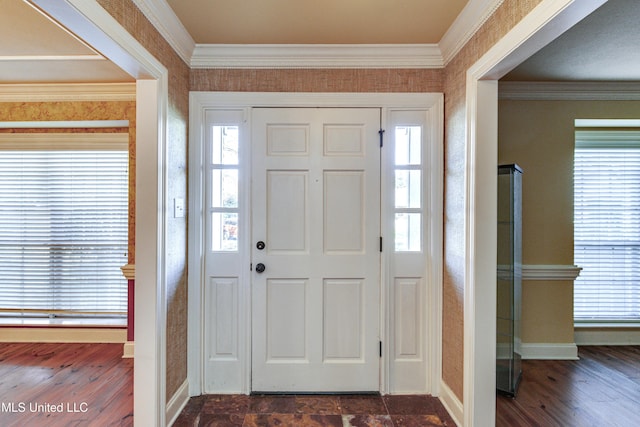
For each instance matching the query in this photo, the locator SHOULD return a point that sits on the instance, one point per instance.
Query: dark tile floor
(312, 410)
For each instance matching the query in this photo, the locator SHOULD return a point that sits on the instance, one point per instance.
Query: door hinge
(381, 133)
(380, 348)
(380, 243)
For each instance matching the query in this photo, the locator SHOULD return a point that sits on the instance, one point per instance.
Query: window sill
(14, 322)
(607, 325)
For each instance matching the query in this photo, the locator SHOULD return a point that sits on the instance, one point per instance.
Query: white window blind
(607, 226)
(63, 224)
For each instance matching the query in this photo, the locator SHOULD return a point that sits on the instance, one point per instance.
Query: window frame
(75, 141)
(606, 140)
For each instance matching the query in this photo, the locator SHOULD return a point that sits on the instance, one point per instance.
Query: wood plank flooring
(65, 385)
(600, 389)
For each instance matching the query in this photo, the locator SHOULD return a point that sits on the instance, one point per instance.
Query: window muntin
(64, 229)
(607, 226)
(408, 203)
(225, 190)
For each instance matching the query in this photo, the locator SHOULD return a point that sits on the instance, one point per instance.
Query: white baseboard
(550, 351)
(177, 402)
(451, 403)
(128, 350)
(607, 337)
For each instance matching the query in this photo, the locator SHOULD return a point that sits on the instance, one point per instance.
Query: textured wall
(83, 110)
(504, 18)
(309, 80)
(128, 15)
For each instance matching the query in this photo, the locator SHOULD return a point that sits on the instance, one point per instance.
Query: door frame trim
(200, 102)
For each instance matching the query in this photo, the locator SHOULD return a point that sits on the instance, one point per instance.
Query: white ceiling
(604, 46)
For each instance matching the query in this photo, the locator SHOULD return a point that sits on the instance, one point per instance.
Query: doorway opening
(319, 279)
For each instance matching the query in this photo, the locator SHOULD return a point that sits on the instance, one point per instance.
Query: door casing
(433, 106)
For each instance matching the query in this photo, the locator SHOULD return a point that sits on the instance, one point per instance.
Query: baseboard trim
(128, 350)
(63, 335)
(451, 403)
(550, 351)
(177, 402)
(607, 337)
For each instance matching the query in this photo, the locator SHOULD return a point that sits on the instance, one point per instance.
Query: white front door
(315, 249)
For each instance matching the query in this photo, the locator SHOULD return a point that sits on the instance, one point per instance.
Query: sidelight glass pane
(408, 145)
(408, 232)
(408, 186)
(225, 145)
(224, 188)
(224, 232)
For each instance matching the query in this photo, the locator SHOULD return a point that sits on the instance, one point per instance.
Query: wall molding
(550, 272)
(549, 351)
(569, 91)
(451, 403)
(474, 15)
(164, 19)
(317, 56)
(611, 335)
(129, 271)
(67, 92)
(177, 402)
(128, 350)
(63, 334)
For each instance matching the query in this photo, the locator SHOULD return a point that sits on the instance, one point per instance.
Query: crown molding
(473, 16)
(51, 58)
(67, 92)
(317, 56)
(569, 91)
(164, 19)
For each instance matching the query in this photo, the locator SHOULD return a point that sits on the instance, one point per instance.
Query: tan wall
(128, 15)
(539, 136)
(504, 18)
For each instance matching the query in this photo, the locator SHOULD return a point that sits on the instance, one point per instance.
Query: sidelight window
(408, 188)
(224, 171)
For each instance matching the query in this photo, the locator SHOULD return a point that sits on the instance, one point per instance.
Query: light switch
(178, 208)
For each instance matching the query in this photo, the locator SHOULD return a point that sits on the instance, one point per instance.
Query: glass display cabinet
(509, 279)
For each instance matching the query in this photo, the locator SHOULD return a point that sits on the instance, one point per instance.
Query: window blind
(607, 226)
(63, 224)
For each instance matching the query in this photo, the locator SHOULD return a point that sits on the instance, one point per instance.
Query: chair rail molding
(550, 272)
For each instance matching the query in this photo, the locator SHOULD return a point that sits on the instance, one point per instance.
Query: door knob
(260, 267)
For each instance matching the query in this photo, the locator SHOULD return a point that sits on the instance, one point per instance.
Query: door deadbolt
(260, 245)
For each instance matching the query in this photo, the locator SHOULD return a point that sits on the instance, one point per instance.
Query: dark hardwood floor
(91, 385)
(600, 389)
(65, 385)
